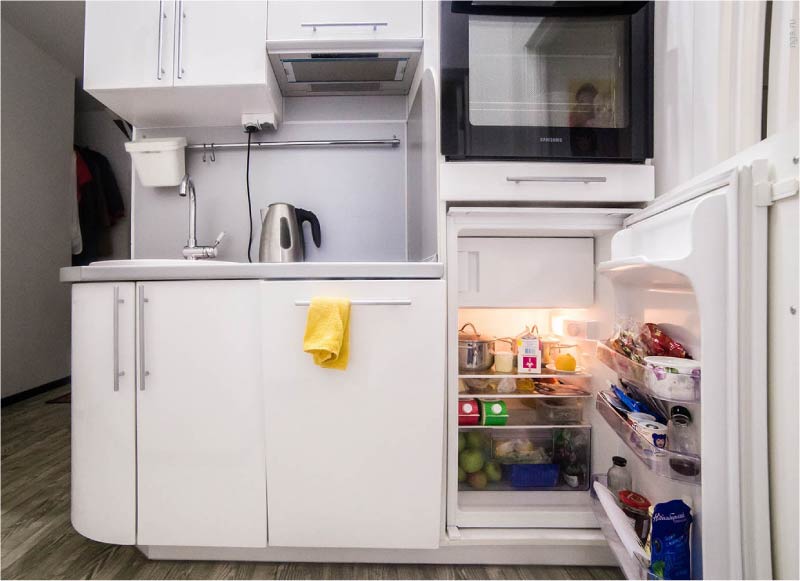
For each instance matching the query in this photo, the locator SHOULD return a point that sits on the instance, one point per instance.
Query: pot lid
(474, 336)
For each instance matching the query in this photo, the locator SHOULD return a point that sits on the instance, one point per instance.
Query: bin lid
(155, 145)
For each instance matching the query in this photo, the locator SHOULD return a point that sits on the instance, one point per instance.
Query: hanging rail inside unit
(211, 147)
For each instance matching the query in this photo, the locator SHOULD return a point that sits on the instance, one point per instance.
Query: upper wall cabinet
(217, 46)
(292, 20)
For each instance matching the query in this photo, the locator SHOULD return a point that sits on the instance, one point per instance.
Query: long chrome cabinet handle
(315, 25)
(181, 16)
(585, 180)
(161, 17)
(143, 373)
(117, 373)
(364, 302)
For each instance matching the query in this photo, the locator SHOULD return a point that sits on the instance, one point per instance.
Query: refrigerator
(694, 263)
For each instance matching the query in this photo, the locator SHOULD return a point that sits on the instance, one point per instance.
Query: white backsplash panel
(358, 193)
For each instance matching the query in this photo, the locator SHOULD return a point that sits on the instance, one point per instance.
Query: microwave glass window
(548, 72)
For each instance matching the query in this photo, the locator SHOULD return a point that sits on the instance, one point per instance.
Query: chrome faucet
(192, 251)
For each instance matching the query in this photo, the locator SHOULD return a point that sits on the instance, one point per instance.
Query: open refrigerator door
(690, 266)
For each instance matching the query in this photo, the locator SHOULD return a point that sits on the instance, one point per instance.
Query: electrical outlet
(259, 121)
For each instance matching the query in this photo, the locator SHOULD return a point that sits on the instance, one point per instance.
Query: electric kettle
(282, 233)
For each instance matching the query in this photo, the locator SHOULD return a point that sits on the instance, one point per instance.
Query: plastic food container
(503, 361)
(672, 377)
(494, 413)
(159, 162)
(469, 412)
(560, 411)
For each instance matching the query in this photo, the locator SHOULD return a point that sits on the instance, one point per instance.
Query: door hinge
(766, 193)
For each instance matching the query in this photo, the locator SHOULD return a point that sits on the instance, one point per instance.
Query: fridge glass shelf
(491, 373)
(673, 387)
(672, 465)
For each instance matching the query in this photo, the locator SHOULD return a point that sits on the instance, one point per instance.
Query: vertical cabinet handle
(143, 373)
(161, 17)
(181, 16)
(117, 373)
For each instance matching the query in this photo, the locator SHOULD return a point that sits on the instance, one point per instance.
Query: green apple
(476, 440)
(462, 476)
(493, 471)
(462, 441)
(471, 460)
(478, 479)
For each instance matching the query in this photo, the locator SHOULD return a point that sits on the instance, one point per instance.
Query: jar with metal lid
(635, 506)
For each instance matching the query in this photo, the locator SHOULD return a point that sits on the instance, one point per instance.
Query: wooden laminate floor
(38, 541)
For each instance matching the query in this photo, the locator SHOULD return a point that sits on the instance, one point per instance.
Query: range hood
(310, 68)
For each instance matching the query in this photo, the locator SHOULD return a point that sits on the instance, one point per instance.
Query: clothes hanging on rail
(100, 205)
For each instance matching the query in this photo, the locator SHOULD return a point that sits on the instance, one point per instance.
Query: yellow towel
(327, 335)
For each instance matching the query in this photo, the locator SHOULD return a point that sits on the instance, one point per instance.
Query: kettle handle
(311, 218)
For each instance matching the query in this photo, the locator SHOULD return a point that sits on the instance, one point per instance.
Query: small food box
(494, 413)
(529, 354)
(469, 412)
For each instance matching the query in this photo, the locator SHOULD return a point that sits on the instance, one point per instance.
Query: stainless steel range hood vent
(383, 70)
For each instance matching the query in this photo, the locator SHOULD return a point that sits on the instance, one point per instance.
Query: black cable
(249, 203)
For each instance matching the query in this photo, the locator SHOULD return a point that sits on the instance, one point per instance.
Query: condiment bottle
(618, 476)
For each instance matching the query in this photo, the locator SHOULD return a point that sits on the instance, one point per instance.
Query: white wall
(37, 131)
(97, 131)
(708, 61)
(358, 193)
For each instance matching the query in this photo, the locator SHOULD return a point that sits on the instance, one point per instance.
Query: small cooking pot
(474, 350)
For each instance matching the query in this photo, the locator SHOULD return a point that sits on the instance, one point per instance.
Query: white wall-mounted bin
(159, 162)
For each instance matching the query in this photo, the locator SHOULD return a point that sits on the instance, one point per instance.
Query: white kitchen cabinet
(200, 438)
(128, 44)
(355, 457)
(291, 20)
(221, 43)
(207, 58)
(526, 272)
(103, 412)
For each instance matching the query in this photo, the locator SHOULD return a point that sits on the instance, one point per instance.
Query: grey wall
(37, 131)
(358, 193)
(97, 131)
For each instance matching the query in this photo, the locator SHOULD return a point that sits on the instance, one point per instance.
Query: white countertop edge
(260, 270)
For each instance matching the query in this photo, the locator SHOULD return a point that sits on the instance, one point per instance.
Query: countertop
(128, 270)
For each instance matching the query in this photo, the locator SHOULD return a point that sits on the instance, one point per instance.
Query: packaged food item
(494, 413)
(529, 353)
(469, 412)
(571, 452)
(635, 506)
(507, 385)
(504, 362)
(519, 451)
(669, 540)
(658, 343)
(626, 340)
(673, 377)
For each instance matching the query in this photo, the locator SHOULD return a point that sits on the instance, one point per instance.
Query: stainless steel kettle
(282, 233)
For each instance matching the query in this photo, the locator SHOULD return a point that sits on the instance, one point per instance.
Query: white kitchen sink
(158, 262)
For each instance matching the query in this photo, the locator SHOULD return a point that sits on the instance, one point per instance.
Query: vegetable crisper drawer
(525, 459)
(526, 272)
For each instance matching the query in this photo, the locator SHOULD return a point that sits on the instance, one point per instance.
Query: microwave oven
(547, 81)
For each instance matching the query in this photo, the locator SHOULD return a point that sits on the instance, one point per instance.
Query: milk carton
(529, 354)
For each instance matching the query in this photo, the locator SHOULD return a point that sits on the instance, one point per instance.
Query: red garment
(82, 172)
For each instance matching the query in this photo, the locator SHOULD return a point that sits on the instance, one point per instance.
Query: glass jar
(618, 476)
(681, 438)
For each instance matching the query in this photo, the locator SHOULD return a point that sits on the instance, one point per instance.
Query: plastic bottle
(618, 476)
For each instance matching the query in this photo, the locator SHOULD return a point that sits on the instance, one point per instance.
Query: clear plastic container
(684, 387)
(560, 411)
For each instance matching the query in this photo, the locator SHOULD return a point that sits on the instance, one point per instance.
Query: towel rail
(393, 142)
(363, 302)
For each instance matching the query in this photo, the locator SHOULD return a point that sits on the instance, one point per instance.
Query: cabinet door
(221, 43)
(128, 44)
(355, 457)
(199, 418)
(103, 412)
(289, 20)
(526, 272)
